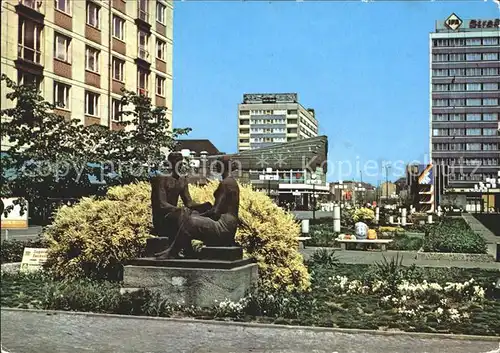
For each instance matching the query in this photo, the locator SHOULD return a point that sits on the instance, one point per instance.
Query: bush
(92, 238)
(12, 250)
(364, 215)
(453, 236)
(322, 235)
(405, 242)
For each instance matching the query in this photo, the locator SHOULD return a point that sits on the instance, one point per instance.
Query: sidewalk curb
(424, 335)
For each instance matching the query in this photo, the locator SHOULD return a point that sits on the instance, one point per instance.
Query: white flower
(439, 311)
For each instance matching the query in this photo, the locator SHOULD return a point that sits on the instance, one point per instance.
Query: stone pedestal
(217, 274)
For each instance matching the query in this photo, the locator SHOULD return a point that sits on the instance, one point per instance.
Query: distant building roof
(198, 146)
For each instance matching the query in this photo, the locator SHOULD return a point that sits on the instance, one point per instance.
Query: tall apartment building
(268, 119)
(465, 99)
(82, 52)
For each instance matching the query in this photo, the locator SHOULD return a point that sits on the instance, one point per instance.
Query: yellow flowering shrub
(363, 215)
(389, 229)
(92, 238)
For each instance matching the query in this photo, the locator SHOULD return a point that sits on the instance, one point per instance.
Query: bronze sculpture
(165, 193)
(216, 226)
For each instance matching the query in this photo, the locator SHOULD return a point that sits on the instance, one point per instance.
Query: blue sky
(363, 67)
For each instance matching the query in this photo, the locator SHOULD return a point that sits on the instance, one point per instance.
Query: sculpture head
(175, 159)
(225, 166)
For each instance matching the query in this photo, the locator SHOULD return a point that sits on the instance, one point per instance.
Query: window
(457, 102)
(473, 41)
(143, 45)
(440, 57)
(490, 146)
(160, 12)
(457, 57)
(490, 86)
(118, 69)
(490, 56)
(91, 103)
(91, 59)
(61, 47)
(441, 42)
(160, 86)
(457, 87)
(93, 14)
(160, 49)
(490, 41)
(490, 101)
(143, 10)
(440, 87)
(440, 72)
(473, 117)
(29, 40)
(142, 82)
(440, 102)
(473, 146)
(473, 71)
(457, 72)
(473, 132)
(118, 27)
(457, 132)
(61, 95)
(440, 117)
(456, 117)
(440, 147)
(490, 71)
(490, 116)
(489, 132)
(473, 87)
(456, 146)
(457, 42)
(63, 5)
(473, 56)
(439, 132)
(473, 102)
(30, 3)
(25, 79)
(116, 108)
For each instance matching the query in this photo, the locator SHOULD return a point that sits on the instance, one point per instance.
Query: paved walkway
(35, 332)
(409, 258)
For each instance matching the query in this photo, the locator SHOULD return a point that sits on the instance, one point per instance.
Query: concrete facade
(465, 99)
(268, 119)
(81, 53)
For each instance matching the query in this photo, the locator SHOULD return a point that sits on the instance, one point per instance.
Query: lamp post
(387, 182)
(268, 175)
(314, 180)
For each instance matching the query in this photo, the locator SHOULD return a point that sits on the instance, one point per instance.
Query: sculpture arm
(160, 197)
(216, 211)
(189, 203)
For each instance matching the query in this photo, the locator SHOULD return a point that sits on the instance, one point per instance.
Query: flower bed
(385, 296)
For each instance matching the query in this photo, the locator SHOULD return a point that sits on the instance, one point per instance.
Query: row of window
(464, 57)
(62, 96)
(267, 139)
(462, 87)
(469, 161)
(465, 132)
(29, 46)
(462, 72)
(267, 131)
(265, 112)
(470, 177)
(471, 146)
(465, 117)
(267, 121)
(462, 102)
(94, 11)
(463, 42)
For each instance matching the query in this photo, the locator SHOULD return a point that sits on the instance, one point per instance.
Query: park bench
(383, 242)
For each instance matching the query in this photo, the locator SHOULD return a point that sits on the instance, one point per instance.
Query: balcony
(142, 60)
(142, 20)
(29, 60)
(30, 9)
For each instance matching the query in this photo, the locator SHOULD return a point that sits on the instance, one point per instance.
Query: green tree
(46, 157)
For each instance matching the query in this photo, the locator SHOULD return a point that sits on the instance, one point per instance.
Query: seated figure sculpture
(165, 192)
(215, 227)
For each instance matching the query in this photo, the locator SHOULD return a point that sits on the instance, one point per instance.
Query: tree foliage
(46, 157)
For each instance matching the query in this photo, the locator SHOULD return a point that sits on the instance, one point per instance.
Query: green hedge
(12, 250)
(454, 236)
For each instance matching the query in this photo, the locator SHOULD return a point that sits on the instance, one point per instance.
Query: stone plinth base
(192, 282)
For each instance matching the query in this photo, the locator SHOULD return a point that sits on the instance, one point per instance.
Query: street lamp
(314, 180)
(268, 175)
